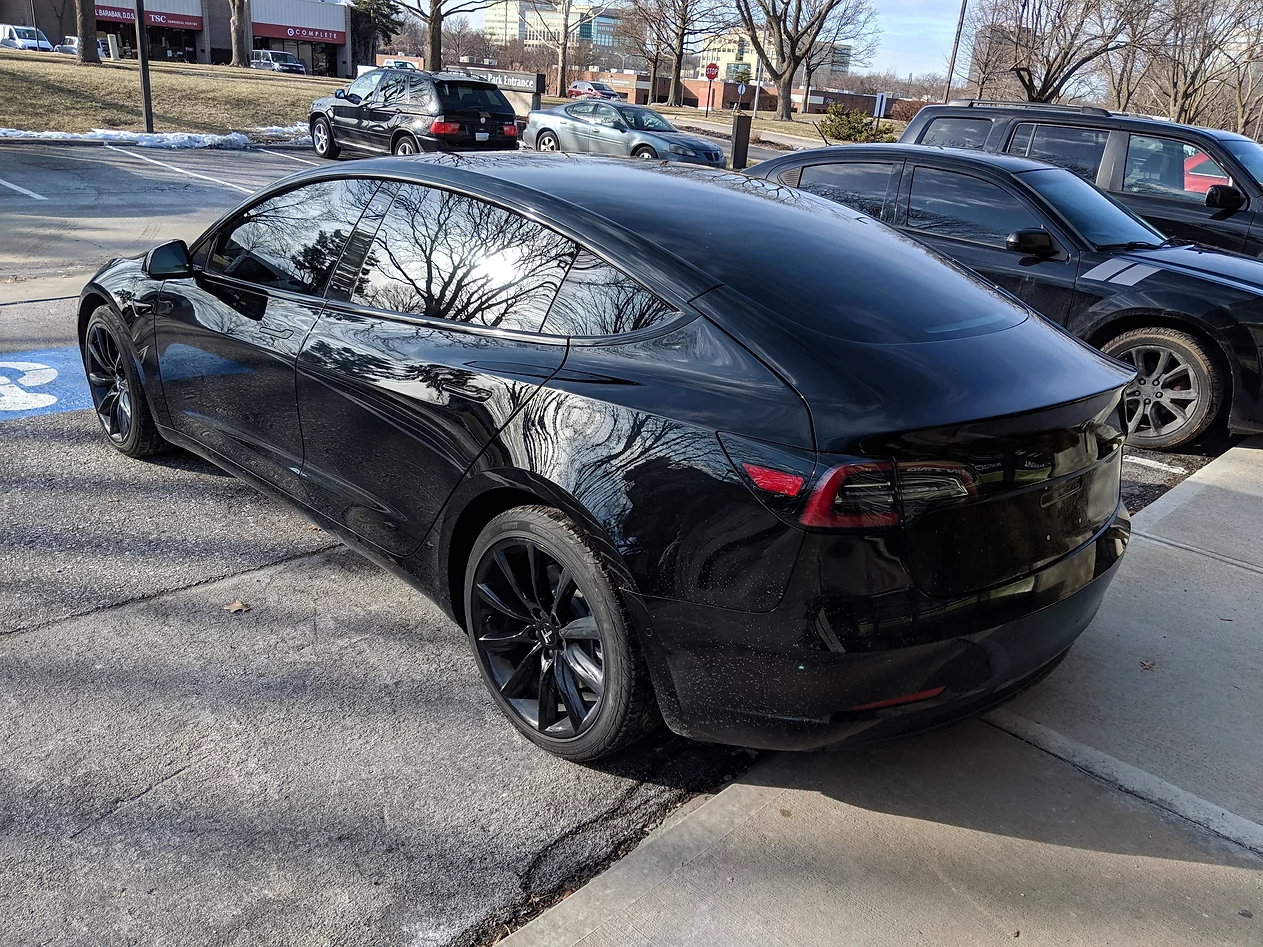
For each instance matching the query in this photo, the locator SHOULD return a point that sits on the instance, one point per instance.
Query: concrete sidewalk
(1113, 804)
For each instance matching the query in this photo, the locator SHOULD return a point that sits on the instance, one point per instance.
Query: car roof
(1082, 116)
(961, 156)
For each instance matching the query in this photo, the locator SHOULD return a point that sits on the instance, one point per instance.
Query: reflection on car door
(348, 111)
(228, 337)
(870, 187)
(379, 110)
(574, 127)
(968, 218)
(422, 356)
(1156, 184)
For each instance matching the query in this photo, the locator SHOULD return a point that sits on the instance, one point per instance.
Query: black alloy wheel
(551, 639)
(1178, 388)
(114, 383)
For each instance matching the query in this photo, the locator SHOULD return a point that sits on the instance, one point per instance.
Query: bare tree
(434, 13)
(461, 40)
(85, 17)
(679, 27)
(559, 39)
(823, 55)
(784, 31)
(634, 34)
(238, 18)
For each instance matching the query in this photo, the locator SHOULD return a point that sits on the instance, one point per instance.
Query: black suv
(407, 111)
(1189, 318)
(1196, 184)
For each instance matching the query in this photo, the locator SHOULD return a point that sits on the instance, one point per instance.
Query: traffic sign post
(712, 72)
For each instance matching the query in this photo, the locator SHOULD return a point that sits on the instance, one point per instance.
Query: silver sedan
(593, 127)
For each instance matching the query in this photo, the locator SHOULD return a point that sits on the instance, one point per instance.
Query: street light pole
(758, 79)
(951, 66)
(142, 56)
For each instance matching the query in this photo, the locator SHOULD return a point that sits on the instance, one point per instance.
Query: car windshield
(469, 95)
(646, 120)
(24, 32)
(1096, 218)
(1248, 153)
(601, 87)
(284, 57)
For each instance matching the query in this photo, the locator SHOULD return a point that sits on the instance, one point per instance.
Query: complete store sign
(172, 21)
(308, 34)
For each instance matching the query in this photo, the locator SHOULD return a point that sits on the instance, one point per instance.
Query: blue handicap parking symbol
(43, 381)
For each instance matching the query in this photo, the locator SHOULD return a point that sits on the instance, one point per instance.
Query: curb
(252, 145)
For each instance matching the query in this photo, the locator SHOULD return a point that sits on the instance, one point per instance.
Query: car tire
(405, 145)
(645, 153)
(118, 397)
(1179, 389)
(546, 620)
(322, 139)
(547, 141)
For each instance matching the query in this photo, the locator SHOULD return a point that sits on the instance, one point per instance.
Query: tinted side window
(958, 132)
(393, 89)
(582, 110)
(862, 186)
(955, 205)
(292, 241)
(451, 257)
(1078, 149)
(365, 84)
(1164, 167)
(469, 95)
(421, 92)
(597, 299)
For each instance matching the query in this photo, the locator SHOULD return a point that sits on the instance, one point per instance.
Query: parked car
(646, 465)
(71, 45)
(1189, 318)
(1161, 170)
(591, 90)
(398, 64)
(277, 61)
(408, 111)
(24, 37)
(629, 130)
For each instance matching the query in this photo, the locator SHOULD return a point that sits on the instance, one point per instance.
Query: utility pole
(951, 66)
(142, 56)
(758, 79)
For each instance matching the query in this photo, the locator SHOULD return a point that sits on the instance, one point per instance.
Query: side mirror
(1032, 242)
(1224, 196)
(340, 94)
(169, 261)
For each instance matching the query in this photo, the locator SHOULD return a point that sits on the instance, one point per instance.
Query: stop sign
(712, 71)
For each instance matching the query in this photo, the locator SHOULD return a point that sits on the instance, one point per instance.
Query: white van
(24, 37)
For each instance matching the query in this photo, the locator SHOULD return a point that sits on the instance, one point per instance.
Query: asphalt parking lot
(323, 760)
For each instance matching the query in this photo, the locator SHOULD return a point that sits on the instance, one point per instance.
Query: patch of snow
(235, 140)
(297, 130)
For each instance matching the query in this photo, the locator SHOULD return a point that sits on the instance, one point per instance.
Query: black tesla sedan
(651, 475)
(1190, 318)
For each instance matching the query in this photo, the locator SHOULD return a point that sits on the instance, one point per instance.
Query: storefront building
(200, 30)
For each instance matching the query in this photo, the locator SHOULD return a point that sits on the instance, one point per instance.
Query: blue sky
(916, 35)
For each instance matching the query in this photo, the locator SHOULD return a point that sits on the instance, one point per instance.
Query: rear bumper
(786, 679)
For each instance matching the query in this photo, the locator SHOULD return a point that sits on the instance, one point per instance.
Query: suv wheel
(405, 145)
(322, 138)
(1178, 390)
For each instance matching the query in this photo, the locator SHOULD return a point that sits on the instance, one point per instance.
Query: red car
(1200, 172)
(591, 90)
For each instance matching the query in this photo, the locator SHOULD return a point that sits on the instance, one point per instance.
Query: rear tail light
(774, 481)
(510, 131)
(441, 127)
(853, 496)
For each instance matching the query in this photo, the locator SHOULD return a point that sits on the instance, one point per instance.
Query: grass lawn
(56, 94)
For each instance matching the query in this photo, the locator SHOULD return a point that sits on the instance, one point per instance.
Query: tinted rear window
(471, 95)
(958, 133)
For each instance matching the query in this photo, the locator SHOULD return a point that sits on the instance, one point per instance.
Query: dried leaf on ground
(237, 607)
(1148, 665)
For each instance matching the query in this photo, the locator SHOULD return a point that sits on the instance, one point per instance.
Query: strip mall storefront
(318, 49)
(173, 35)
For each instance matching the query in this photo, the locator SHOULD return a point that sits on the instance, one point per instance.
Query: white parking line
(281, 154)
(22, 190)
(172, 167)
(1135, 782)
(1155, 464)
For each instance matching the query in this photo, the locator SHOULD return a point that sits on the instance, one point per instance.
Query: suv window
(1164, 167)
(421, 92)
(597, 299)
(958, 133)
(365, 84)
(1078, 149)
(858, 185)
(292, 241)
(948, 204)
(471, 95)
(393, 89)
(452, 257)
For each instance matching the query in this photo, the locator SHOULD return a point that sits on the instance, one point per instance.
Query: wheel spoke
(546, 714)
(581, 629)
(1164, 359)
(503, 641)
(94, 349)
(537, 564)
(503, 562)
(586, 668)
(568, 687)
(106, 410)
(523, 674)
(565, 592)
(99, 380)
(487, 595)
